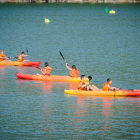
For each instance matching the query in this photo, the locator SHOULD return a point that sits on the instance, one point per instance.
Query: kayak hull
(16, 63)
(126, 93)
(48, 78)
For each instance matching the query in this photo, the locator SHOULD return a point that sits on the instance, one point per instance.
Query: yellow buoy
(112, 12)
(47, 20)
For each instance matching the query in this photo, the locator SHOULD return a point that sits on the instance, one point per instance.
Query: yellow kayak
(127, 93)
(16, 63)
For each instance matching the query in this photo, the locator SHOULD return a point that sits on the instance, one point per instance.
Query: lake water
(101, 45)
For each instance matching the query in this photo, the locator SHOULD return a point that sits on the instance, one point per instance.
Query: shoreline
(74, 1)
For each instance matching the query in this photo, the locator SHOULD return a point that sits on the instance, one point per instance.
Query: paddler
(92, 87)
(21, 57)
(2, 56)
(46, 70)
(86, 86)
(73, 71)
(107, 86)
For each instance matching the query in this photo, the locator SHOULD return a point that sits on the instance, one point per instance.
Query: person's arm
(82, 86)
(79, 85)
(108, 86)
(5, 57)
(26, 60)
(87, 84)
(43, 72)
(8, 57)
(114, 88)
(68, 67)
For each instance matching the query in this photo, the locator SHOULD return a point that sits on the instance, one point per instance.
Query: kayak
(49, 78)
(16, 63)
(125, 93)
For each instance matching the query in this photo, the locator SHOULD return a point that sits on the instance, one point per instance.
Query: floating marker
(47, 20)
(106, 10)
(112, 12)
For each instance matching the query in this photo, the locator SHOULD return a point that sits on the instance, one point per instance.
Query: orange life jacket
(48, 70)
(2, 55)
(74, 73)
(106, 88)
(20, 58)
(79, 87)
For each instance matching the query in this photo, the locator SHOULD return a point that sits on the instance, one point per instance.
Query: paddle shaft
(10, 57)
(27, 53)
(62, 56)
(13, 57)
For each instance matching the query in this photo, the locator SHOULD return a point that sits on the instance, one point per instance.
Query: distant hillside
(69, 1)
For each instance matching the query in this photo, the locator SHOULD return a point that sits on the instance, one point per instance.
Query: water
(99, 44)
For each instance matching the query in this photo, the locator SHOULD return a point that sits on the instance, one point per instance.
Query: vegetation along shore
(69, 1)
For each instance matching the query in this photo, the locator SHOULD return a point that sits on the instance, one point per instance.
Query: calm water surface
(99, 44)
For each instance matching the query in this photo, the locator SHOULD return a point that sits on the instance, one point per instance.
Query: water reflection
(2, 77)
(106, 113)
(2, 71)
(27, 70)
(110, 108)
(77, 117)
(49, 86)
(46, 86)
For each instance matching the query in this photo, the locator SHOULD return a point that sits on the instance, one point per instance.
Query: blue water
(101, 45)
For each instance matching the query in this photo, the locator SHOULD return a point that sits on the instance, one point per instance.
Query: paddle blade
(61, 54)
(37, 67)
(27, 51)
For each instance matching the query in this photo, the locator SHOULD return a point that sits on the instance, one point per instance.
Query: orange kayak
(16, 63)
(48, 78)
(125, 93)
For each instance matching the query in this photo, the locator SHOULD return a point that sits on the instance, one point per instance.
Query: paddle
(12, 57)
(62, 56)
(27, 53)
(37, 67)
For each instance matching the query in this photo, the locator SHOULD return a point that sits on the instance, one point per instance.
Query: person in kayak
(107, 86)
(92, 87)
(82, 86)
(46, 70)
(2, 56)
(73, 71)
(21, 57)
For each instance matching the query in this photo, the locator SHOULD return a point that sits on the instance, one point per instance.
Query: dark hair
(108, 80)
(22, 52)
(82, 76)
(73, 66)
(46, 64)
(90, 78)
